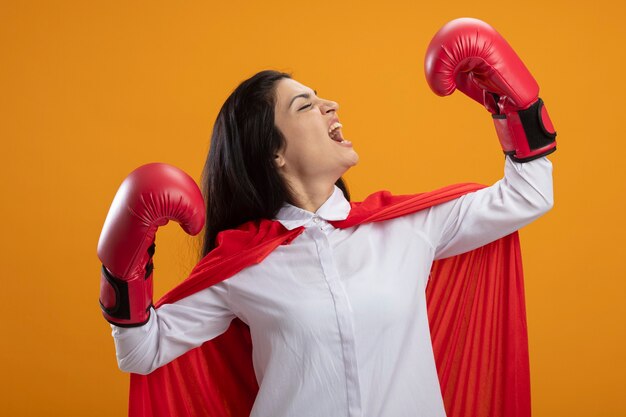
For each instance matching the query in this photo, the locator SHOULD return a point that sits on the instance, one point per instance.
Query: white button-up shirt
(338, 317)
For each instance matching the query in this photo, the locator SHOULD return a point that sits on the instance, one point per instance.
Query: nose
(329, 105)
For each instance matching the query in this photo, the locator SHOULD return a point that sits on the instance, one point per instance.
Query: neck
(311, 195)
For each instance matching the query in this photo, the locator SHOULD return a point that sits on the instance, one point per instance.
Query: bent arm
(475, 219)
(172, 330)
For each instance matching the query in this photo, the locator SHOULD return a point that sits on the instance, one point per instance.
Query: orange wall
(91, 90)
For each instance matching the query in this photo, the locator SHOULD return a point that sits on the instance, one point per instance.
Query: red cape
(476, 312)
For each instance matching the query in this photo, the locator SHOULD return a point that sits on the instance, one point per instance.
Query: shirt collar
(335, 208)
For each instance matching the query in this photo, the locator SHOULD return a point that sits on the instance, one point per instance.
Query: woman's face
(305, 120)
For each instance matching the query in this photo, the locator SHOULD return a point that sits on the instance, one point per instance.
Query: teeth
(334, 126)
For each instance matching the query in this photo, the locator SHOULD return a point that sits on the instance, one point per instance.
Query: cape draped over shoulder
(476, 314)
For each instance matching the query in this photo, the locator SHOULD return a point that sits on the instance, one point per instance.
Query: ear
(279, 159)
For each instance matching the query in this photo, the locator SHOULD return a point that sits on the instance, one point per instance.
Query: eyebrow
(303, 95)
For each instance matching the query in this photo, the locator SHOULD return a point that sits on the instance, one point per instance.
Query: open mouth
(334, 132)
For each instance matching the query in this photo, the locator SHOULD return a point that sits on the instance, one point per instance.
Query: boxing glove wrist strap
(526, 134)
(125, 303)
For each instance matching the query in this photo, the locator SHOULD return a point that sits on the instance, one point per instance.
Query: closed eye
(304, 107)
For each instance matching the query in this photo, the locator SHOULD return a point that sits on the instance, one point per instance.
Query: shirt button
(316, 219)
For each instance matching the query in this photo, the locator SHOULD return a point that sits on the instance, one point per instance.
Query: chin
(355, 159)
(350, 164)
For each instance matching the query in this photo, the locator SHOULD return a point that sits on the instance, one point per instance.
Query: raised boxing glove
(148, 198)
(469, 55)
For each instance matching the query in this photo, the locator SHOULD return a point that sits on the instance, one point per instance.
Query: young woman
(338, 317)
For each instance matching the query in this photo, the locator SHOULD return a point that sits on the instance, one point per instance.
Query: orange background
(91, 90)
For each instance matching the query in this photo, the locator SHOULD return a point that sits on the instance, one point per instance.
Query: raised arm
(469, 55)
(149, 197)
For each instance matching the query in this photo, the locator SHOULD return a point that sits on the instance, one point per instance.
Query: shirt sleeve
(477, 218)
(173, 329)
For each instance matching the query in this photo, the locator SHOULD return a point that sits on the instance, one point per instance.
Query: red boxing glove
(148, 198)
(470, 55)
